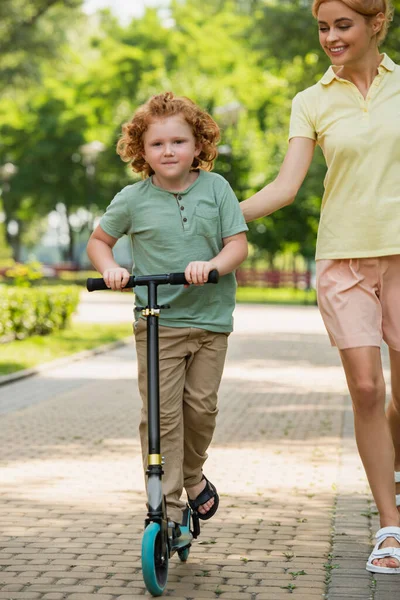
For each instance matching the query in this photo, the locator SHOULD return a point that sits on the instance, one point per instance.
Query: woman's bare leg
(364, 374)
(393, 411)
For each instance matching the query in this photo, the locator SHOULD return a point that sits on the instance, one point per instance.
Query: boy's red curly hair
(205, 130)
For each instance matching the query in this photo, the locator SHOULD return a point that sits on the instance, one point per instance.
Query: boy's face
(170, 147)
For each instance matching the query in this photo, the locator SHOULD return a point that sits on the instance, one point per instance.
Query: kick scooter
(162, 537)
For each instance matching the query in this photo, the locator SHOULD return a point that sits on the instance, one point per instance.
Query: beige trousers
(191, 366)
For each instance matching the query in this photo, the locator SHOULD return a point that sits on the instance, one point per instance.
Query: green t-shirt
(169, 230)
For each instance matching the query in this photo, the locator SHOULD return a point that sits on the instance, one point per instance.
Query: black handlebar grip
(179, 278)
(94, 284)
(97, 283)
(213, 276)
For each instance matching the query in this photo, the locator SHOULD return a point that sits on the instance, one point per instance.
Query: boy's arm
(231, 256)
(99, 251)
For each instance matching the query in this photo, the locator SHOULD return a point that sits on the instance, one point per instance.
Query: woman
(353, 113)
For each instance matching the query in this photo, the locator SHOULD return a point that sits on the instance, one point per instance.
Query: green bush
(35, 311)
(23, 275)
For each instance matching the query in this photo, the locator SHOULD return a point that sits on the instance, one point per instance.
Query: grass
(35, 350)
(263, 295)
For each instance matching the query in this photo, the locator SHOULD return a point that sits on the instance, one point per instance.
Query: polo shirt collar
(386, 63)
(328, 77)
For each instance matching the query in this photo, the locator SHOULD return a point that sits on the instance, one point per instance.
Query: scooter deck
(185, 536)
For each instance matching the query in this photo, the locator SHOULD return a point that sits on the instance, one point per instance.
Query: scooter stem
(153, 377)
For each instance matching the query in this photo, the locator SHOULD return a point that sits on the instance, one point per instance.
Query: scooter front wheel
(154, 563)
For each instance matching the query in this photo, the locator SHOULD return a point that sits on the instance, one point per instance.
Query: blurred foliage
(27, 312)
(69, 79)
(30, 33)
(23, 275)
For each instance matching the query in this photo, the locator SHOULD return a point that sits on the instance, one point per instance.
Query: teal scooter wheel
(154, 564)
(184, 554)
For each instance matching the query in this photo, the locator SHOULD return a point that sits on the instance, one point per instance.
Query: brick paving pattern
(295, 518)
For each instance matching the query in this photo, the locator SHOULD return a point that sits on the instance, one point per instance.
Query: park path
(295, 516)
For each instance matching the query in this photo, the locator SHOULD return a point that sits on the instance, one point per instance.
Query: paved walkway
(295, 516)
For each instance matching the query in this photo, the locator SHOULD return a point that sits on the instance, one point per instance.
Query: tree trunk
(14, 241)
(70, 252)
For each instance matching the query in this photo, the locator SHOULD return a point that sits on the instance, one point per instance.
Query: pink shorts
(359, 300)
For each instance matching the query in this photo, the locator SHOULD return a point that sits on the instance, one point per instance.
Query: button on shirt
(169, 230)
(360, 139)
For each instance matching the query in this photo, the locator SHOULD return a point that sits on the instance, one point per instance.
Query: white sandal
(378, 553)
(397, 480)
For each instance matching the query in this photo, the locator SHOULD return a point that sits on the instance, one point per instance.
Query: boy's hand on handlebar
(197, 272)
(116, 278)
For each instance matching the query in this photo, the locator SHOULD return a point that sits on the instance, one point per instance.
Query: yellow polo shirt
(360, 139)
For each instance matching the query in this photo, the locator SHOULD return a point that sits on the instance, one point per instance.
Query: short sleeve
(301, 122)
(117, 220)
(232, 219)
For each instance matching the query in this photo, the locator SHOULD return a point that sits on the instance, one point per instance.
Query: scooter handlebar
(96, 284)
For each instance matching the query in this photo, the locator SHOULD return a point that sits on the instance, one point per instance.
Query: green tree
(31, 32)
(242, 60)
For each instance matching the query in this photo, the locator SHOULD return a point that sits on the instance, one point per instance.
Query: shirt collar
(328, 77)
(386, 63)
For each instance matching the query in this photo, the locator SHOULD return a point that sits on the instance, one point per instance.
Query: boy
(179, 218)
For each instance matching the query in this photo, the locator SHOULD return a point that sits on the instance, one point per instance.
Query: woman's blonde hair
(367, 8)
(206, 132)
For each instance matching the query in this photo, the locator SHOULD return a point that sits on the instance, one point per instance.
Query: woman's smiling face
(344, 34)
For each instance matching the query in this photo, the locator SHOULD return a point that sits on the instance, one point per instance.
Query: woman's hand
(116, 278)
